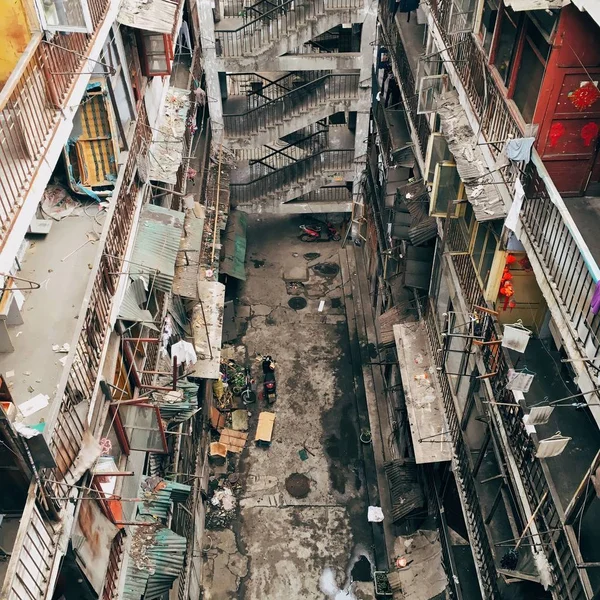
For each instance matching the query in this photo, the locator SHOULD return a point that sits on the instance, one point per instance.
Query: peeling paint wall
(15, 35)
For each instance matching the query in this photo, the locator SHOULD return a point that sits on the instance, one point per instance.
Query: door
(569, 134)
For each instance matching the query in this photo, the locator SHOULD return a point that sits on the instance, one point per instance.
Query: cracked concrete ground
(296, 548)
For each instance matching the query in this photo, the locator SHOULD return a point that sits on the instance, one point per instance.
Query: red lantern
(512, 304)
(510, 259)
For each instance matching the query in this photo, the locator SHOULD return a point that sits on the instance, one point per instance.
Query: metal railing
(256, 35)
(113, 572)
(480, 543)
(335, 86)
(30, 110)
(83, 363)
(333, 161)
(32, 556)
(397, 52)
(288, 155)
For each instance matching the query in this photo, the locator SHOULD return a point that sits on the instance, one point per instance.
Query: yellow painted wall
(14, 35)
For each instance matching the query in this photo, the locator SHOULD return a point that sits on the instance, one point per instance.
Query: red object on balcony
(588, 133)
(584, 96)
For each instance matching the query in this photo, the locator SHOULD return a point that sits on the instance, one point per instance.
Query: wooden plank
(234, 440)
(264, 431)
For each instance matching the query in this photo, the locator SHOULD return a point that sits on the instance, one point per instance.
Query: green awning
(156, 247)
(233, 254)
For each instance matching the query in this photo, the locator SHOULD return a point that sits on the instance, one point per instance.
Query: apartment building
(103, 143)
(482, 183)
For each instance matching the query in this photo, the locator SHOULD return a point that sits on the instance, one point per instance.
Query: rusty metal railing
(30, 110)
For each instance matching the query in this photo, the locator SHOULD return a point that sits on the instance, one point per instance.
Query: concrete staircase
(282, 29)
(290, 111)
(292, 181)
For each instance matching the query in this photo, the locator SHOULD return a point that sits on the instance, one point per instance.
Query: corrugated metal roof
(233, 255)
(411, 219)
(152, 15)
(134, 298)
(157, 554)
(188, 260)
(166, 151)
(481, 192)
(156, 246)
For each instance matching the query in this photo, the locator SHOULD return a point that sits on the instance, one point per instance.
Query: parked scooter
(269, 383)
(312, 233)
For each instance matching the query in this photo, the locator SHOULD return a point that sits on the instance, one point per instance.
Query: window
(488, 22)
(65, 15)
(437, 152)
(461, 16)
(531, 70)
(157, 53)
(430, 88)
(485, 244)
(506, 44)
(520, 51)
(446, 190)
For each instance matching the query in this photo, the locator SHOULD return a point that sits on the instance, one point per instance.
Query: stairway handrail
(295, 90)
(350, 152)
(255, 161)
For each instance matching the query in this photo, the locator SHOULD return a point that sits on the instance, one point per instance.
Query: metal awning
(431, 441)
(166, 151)
(520, 5)
(400, 140)
(185, 283)
(131, 306)
(483, 194)
(156, 246)
(411, 214)
(207, 329)
(233, 254)
(419, 261)
(157, 16)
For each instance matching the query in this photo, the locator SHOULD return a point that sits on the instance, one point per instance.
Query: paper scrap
(321, 305)
(34, 404)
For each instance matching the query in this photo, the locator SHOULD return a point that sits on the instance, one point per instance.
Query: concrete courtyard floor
(279, 546)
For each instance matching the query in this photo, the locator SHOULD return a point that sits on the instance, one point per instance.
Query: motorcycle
(312, 233)
(269, 382)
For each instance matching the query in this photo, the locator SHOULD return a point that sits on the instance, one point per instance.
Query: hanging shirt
(595, 303)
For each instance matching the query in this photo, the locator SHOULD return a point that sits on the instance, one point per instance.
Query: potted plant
(382, 584)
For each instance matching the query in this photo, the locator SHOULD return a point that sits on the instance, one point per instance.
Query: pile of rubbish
(222, 504)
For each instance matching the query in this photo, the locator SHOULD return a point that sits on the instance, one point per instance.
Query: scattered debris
(224, 498)
(374, 514)
(34, 404)
(321, 305)
(234, 441)
(312, 256)
(239, 420)
(326, 269)
(297, 485)
(294, 288)
(9, 374)
(65, 348)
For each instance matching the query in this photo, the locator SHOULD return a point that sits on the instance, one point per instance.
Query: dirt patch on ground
(298, 485)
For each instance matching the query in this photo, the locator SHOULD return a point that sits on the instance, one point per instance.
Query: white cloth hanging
(184, 352)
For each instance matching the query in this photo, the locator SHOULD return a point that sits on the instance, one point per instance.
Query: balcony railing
(304, 170)
(465, 483)
(397, 52)
(567, 582)
(30, 110)
(334, 86)
(274, 24)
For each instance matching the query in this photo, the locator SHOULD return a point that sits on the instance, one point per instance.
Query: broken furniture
(264, 431)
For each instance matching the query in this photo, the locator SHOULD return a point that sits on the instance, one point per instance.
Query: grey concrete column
(209, 63)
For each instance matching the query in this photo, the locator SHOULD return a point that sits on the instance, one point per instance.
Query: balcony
(31, 103)
(78, 371)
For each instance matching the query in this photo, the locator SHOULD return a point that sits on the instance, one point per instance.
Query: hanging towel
(595, 303)
(519, 149)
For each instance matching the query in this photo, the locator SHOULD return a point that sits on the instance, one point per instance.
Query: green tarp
(233, 254)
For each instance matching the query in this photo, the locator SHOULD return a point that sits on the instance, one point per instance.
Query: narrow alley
(300, 528)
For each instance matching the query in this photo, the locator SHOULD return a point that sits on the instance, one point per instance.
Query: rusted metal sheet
(92, 538)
